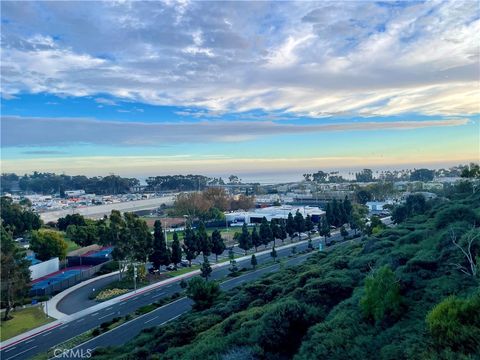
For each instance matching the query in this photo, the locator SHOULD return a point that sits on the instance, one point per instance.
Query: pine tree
(203, 240)
(256, 239)
(290, 226)
(206, 269)
(308, 224)
(190, 246)
(265, 232)
(282, 232)
(299, 223)
(160, 255)
(324, 228)
(245, 241)
(218, 246)
(176, 250)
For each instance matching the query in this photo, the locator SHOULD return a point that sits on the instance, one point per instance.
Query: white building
(74, 193)
(273, 212)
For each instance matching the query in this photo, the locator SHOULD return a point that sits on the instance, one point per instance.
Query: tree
(299, 223)
(176, 250)
(253, 261)
(274, 229)
(363, 196)
(190, 245)
(282, 231)
(422, 175)
(290, 226)
(161, 254)
(206, 269)
(320, 176)
(204, 241)
(73, 219)
(324, 228)
(455, 323)
(233, 263)
(468, 245)
(343, 232)
(244, 239)
(265, 232)
(471, 171)
(348, 210)
(17, 218)
(273, 254)
(202, 292)
(47, 244)
(15, 274)
(382, 295)
(366, 175)
(218, 246)
(256, 239)
(308, 225)
(83, 235)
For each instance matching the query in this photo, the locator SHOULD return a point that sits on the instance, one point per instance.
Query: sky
(260, 89)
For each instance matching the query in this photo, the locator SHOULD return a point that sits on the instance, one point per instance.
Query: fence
(57, 286)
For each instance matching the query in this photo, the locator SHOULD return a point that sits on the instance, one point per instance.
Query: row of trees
(50, 183)
(367, 175)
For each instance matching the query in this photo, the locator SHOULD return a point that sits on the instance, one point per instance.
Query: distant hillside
(398, 295)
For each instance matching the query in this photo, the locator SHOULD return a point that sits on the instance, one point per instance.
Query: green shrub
(382, 295)
(455, 323)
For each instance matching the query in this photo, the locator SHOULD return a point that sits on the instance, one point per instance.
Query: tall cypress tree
(290, 226)
(265, 232)
(218, 246)
(190, 246)
(282, 231)
(299, 222)
(256, 239)
(160, 255)
(245, 241)
(204, 241)
(176, 250)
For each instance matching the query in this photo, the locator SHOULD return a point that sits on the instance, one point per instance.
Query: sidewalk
(64, 318)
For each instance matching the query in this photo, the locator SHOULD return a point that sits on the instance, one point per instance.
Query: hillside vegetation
(407, 293)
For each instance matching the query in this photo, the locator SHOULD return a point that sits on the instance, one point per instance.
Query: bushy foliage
(382, 295)
(455, 323)
(323, 308)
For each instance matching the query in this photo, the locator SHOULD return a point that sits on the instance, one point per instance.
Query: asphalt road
(48, 339)
(78, 300)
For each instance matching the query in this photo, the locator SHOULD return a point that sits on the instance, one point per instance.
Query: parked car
(171, 267)
(184, 263)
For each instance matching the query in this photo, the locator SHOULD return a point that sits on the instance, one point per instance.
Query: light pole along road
(42, 342)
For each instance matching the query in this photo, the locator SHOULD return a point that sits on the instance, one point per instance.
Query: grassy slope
(313, 312)
(23, 320)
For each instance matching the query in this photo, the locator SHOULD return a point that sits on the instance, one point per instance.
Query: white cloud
(23, 131)
(310, 58)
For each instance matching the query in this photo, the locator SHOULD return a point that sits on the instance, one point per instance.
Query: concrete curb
(64, 318)
(53, 302)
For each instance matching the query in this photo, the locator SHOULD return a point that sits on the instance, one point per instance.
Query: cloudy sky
(141, 88)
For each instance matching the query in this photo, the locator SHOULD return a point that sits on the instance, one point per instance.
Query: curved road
(62, 332)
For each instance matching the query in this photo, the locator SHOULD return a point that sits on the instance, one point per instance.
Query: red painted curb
(30, 336)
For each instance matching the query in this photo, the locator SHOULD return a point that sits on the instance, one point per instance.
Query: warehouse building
(273, 212)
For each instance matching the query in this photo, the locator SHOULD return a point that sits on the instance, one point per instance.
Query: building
(74, 193)
(273, 212)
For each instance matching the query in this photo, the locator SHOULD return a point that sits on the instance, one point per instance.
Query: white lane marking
(109, 308)
(104, 316)
(29, 341)
(80, 320)
(94, 314)
(64, 326)
(160, 294)
(151, 319)
(13, 347)
(20, 353)
(48, 333)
